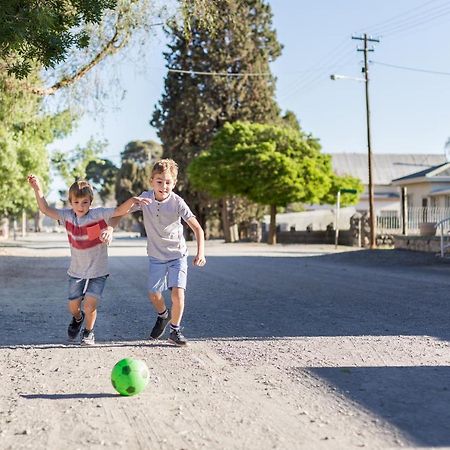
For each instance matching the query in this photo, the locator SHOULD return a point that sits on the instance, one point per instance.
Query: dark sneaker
(87, 337)
(74, 327)
(177, 338)
(160, 327)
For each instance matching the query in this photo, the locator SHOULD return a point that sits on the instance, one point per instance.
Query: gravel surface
(291, 346)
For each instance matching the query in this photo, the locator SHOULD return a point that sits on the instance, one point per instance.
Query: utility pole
(365, 70)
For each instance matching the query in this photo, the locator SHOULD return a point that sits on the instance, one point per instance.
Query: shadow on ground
(68, 396)
(413, 399)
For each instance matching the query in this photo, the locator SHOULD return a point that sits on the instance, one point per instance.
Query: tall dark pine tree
(195, 106)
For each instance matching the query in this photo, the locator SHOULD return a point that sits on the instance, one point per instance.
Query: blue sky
(410, 108)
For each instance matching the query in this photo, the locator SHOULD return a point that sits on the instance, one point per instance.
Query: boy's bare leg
(75, 308)
(177, 305)
(90, 309)
(158, 301)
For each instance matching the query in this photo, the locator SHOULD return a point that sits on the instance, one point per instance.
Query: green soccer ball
(130, 376)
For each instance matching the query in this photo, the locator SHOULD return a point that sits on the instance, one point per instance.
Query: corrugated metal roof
(386, 167)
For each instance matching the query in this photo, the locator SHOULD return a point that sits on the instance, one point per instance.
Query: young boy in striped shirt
(87, 231)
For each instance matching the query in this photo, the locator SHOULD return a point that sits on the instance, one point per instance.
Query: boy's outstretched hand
(34, 182)
(106, 236)
(199, 261)
(142, 201)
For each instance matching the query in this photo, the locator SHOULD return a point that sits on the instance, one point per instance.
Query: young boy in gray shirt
(166, 247)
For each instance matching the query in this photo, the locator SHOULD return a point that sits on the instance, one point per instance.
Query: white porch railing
(391, 221)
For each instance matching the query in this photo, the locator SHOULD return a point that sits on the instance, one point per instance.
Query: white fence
(391, 221)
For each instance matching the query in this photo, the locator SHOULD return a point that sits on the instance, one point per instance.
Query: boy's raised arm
(41, 201)
(126, 206)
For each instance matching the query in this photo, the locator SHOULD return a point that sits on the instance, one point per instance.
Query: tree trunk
(272, 239)
(226, 221)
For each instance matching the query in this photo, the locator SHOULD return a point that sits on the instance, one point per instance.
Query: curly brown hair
(166, 165)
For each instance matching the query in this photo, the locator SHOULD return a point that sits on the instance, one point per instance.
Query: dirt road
(299, 347)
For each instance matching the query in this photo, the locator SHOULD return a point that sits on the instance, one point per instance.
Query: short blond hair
(81, 188)
(165, 165)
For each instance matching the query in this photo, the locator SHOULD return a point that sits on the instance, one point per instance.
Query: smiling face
(162, 184)
(80, 205)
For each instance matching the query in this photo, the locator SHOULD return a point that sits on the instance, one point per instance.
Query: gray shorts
(164, 275)
(92, 287)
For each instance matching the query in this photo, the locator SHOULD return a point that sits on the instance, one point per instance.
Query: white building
(427, 188)
(385, 169)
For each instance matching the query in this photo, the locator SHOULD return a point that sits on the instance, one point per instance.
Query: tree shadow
(413, 399)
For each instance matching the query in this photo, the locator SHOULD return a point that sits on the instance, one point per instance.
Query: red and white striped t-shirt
(89, 255)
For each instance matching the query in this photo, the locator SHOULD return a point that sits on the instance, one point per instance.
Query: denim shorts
(164, 275)
(92, 287)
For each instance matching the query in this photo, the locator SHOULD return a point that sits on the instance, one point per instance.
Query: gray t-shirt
(162, 221)
(89, 255)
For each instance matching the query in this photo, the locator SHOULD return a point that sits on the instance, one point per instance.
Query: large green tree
(46, 32)
(25, 133)
(267, 164)
(43, 31)
(215, 78)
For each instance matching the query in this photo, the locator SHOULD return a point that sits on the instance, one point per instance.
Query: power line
(415, 23)
(413, 69)
(402, 14)
(406, 18)
(320, 69)
(399, 23)
(221, 74)
(322, 74)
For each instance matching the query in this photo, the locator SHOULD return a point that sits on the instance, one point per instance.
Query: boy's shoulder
(99, 212)
(65, 213)
(177, 197)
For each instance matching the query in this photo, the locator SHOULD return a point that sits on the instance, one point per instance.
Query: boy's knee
(155, 296)
(90, 304)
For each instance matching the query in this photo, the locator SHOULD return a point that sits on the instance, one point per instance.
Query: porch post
(404, 211)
